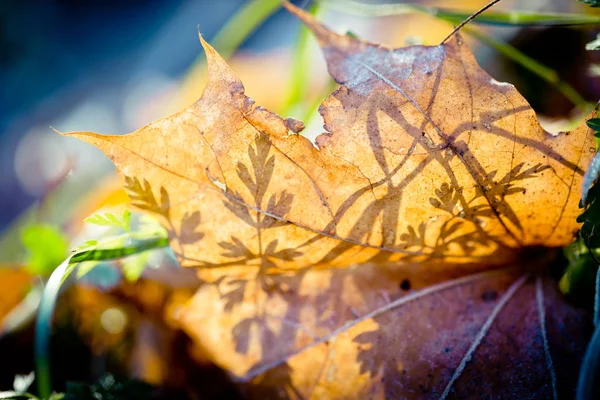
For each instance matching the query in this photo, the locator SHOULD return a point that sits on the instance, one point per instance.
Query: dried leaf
(426, 159)
(433, 112)
(186, 190)
(408, 126)
(355, 334)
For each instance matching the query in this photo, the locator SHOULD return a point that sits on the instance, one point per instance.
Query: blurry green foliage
(590, 218)
(592, 3)
(578, 279)
(594, 123)
(109, 219)
(46, 248)
(148, 234)
(134, 266)
(584, 254)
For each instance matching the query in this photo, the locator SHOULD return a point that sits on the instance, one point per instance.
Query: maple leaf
(426, 159)
(406, 125)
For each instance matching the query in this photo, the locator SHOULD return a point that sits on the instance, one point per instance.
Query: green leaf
(105, 251)
(591, 174)
(127, 220)
(592, 3)
(591, 218)
(594, 123)
(577, 280)
(109, 219)
(47, 247)
(88, 244)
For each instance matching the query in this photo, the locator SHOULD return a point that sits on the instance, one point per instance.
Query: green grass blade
(525, 18)
(242, 24)
(118, 252)
(542, 71)
(298, 88)
(43, 325)
(43, 328)
(508, 18)
(545, 73)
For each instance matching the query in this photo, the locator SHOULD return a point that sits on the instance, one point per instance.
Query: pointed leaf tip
(203, 42)
(218, 69)
(323, 34)
(212, 55)
(305, 17)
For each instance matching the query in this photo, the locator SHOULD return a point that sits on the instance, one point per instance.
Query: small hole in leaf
(405, 284)
(489, 295)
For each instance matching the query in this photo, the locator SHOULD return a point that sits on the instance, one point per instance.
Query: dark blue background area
(54, 52)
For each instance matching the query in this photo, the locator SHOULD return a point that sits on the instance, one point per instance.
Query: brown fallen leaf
(356, 333)
(427, 160)
(459, 171)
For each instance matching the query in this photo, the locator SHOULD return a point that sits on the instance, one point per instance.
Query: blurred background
(112, 66)
(105, 65)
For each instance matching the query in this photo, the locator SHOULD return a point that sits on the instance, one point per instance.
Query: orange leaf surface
(430, 172)
(364, 333)
(426, 156)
